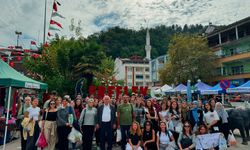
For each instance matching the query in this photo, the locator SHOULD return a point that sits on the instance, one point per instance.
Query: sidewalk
(15, 145)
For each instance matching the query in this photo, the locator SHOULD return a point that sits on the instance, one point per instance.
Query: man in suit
(106, 121)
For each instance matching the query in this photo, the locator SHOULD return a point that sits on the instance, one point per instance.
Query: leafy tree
(119, 42)
(189, 57)
(89, 62)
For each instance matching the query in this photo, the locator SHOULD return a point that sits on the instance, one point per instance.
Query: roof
(11, 77)
(239, 22)
(134, 59)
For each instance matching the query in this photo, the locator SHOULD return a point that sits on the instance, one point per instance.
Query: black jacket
(100, 111)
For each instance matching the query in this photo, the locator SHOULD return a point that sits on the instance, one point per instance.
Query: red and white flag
(54, 6)
(56, 23)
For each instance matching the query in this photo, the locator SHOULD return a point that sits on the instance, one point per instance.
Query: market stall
(215, 90)
(10, 78)
(244, 88)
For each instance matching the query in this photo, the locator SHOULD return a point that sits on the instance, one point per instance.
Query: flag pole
(7, 118)
(44, 26)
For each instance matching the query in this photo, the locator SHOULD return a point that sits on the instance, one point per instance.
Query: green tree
(90, 62)
(189, 57)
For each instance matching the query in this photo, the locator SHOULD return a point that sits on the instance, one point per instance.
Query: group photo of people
(129, 122)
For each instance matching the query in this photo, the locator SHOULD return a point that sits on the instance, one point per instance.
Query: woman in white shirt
(164, 137)
(211, 118)
(163, 113)
(34, 114)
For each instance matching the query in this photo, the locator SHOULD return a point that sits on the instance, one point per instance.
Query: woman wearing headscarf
(195, 116)
(223, 123)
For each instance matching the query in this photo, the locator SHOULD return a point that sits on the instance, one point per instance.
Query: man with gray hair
(106, 121)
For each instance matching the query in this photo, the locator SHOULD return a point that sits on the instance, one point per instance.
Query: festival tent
(244, 88)
(181, 88)
(9, 78)
(166, 88)
(156, 92)
(201, 86)
(214, 90)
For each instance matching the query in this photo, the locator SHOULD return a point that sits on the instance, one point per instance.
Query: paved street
(15, 145)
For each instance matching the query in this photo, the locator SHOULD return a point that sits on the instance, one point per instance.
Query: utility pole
(44, 26)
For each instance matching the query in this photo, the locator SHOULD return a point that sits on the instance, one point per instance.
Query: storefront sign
(32, 85)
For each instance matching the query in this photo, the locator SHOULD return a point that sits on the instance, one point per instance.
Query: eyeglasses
(52, 103)
(187, 126)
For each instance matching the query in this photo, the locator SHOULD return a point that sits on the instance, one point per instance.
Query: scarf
(221, 112)
(195, 112)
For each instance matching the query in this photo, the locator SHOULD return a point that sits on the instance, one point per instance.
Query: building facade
(135, 71)
(231, 44)
(157, 64)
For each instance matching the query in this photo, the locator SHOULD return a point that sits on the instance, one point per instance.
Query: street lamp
(18, 34)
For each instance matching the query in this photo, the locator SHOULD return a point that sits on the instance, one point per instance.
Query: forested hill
(119, 42)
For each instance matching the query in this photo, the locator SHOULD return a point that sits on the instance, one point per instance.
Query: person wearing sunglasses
(148, 136)
(186, 140)
(49, 125)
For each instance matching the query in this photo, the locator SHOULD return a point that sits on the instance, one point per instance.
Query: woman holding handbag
(49, 125)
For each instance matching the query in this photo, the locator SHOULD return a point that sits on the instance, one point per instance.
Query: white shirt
(163, 115)
(106, 114)
(211, 116)
(34, 112)
(164, 139)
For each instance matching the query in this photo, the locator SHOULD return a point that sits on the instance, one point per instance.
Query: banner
(207, 141)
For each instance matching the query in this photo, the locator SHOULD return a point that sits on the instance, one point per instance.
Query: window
(129, 69)
(147, 69)
(139, 76)
(153, 66)
(139, 84)
(129, 76)
(139, 69)
(129, 84)
(237, 70)
(147, 76)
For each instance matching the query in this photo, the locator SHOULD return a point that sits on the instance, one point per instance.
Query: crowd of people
(148, 124)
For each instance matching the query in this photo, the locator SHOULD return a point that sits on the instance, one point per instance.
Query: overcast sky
(97, 15)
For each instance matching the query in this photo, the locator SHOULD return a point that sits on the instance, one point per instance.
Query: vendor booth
(215, 90)
(9, 79)
(244, 88)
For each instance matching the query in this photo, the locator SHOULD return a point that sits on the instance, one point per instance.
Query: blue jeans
(125, 134)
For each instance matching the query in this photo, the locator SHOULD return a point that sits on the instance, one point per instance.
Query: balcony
(232, 77)
(239, 56)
